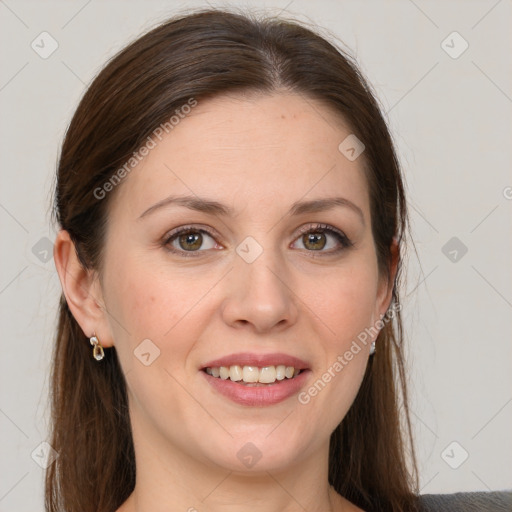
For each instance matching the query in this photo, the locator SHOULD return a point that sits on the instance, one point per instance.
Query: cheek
(346, 304)
(137, 304)
(148, 306)
(346, 307)
(165, 308)
(336, 384)
(147, 301)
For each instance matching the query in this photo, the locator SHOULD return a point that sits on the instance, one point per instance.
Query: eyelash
(344, 241)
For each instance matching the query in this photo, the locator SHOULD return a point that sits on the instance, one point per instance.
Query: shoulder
(494, 501)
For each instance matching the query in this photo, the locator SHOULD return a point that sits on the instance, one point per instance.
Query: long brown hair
(200, 55)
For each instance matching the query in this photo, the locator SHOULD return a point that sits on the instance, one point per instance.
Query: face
(268, 271)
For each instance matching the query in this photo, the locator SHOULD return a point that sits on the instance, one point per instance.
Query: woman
(232, 219)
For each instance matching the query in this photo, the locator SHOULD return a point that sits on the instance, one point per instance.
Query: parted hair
(202, 54)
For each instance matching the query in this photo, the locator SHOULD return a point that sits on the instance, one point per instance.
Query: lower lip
(258, 396)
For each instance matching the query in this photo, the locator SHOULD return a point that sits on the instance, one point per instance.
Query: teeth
(268, 374)
(280, 372)
(253, 374)
(235, 373)
(250, 374)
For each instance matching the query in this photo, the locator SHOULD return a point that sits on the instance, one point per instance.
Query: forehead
(246, 149)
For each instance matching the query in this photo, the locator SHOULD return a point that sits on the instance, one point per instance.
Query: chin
(253, 453)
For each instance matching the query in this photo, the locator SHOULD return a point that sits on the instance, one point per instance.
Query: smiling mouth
(254, 376)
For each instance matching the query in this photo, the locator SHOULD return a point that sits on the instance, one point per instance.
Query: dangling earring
(97, 350)
(372, 348)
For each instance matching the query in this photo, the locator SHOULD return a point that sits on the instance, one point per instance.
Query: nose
(259, 295)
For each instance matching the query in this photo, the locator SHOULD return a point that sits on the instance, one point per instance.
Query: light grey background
(451, 119)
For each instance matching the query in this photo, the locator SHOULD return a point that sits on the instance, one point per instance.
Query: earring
(372, 348)
(97, 351)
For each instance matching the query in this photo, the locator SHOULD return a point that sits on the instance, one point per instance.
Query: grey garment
(494, 501)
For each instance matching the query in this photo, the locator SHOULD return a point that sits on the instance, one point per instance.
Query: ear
(82, 290)
(386, 284)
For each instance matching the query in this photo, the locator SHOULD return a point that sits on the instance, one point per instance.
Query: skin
(257, 154)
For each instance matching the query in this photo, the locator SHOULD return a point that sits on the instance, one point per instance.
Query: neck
(169, 479)
(232, 493)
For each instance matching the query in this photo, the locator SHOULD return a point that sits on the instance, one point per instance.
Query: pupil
(191, 241)
(317, 240)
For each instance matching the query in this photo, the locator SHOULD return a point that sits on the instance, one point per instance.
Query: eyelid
(326, 228)
(191, 227)
(169, 236)
(343, 240)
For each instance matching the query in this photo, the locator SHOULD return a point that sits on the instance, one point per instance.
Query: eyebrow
(209, 206)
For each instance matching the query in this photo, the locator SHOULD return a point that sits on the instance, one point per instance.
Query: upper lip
(259, 360)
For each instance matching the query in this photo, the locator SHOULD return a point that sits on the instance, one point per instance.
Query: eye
(321, 236)
(188, 239)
